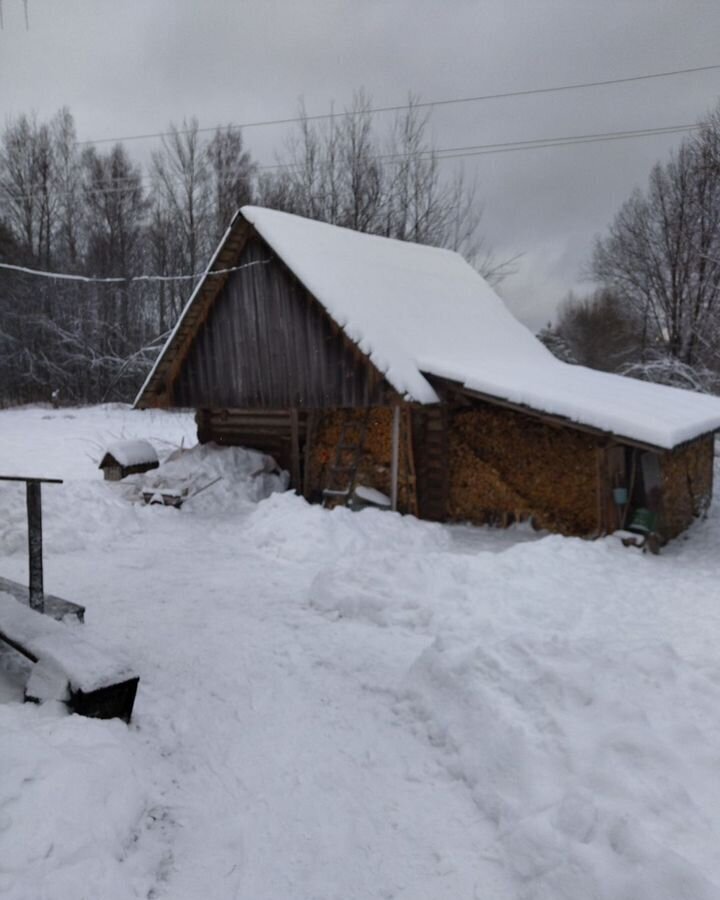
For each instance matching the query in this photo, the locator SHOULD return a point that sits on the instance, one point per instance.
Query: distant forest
(78, 209)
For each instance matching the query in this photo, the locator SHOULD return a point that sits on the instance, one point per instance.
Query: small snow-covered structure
(128, 458)
(309, 341)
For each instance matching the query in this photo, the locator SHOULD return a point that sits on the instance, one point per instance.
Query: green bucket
(643, 521)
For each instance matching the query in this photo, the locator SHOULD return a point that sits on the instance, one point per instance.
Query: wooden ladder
(342, 473)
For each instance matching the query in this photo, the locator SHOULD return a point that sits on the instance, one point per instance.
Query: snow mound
(288, 527)
(76, 515)
(81, 514)
(66, 833)
(245, 477)
(570, 751)
(366, 588)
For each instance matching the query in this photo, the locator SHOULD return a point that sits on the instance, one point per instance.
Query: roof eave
(565, 422)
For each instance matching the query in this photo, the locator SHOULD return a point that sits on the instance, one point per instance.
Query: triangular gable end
(255, 337)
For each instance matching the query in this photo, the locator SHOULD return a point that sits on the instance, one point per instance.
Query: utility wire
(574, 86)
(484, 149)
(438, 153)
(89, 279)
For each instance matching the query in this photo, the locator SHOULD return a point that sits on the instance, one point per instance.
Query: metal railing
(33, 495)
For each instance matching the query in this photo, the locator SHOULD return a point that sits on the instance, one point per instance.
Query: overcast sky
(131, 67)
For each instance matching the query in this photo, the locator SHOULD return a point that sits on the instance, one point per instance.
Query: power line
(90, 279)
(484, 149)
(574, 86)
(442, 153)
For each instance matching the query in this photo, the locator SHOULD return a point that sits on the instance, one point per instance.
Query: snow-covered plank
(61, 651)
(55, 607)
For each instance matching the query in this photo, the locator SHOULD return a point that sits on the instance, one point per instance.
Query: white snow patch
(71, 800)
(593, 764)
(371, 495)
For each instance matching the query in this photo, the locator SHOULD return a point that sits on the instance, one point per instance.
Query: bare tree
(232, 174)
(26, 185)
(343, 172)
(182, 186)
(662, 254)
(67, 180)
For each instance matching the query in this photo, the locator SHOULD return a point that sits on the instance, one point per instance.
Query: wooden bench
(67, 665)
(45, 630)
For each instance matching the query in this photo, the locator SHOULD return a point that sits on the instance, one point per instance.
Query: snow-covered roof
(131, 453)
(418, 310)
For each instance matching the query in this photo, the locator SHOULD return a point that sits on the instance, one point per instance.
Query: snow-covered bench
(68, 666)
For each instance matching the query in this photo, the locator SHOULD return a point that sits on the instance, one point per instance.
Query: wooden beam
(27, 478)
(295, 451)
(35, 560)
(395, 458)
(412, 505)
(310, 427)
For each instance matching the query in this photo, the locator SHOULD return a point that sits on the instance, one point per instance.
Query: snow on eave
(674, 428)
(578, 425)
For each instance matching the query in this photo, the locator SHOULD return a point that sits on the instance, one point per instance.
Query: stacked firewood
(374, 469)
(687, 485)
(505, 466)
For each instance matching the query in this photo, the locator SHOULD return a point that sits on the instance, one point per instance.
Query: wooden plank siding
(269, 345)
(157, 391)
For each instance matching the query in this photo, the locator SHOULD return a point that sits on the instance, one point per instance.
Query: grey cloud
(131, 67)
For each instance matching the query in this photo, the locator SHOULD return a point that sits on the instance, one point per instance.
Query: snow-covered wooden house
(356, 359)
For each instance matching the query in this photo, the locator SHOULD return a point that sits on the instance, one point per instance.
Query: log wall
(267, 430)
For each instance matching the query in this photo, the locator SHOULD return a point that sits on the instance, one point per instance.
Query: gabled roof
(419, 311)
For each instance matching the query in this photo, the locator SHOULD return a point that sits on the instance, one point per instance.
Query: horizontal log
(252, 420)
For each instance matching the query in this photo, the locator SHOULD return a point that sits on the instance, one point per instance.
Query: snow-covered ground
(340, 705)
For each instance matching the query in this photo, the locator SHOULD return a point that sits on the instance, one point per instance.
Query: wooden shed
(356, 359)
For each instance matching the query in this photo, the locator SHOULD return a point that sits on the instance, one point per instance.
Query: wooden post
(35, 562)
(395, 458)
(295, 451)
(412, 505)
(310, 423)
